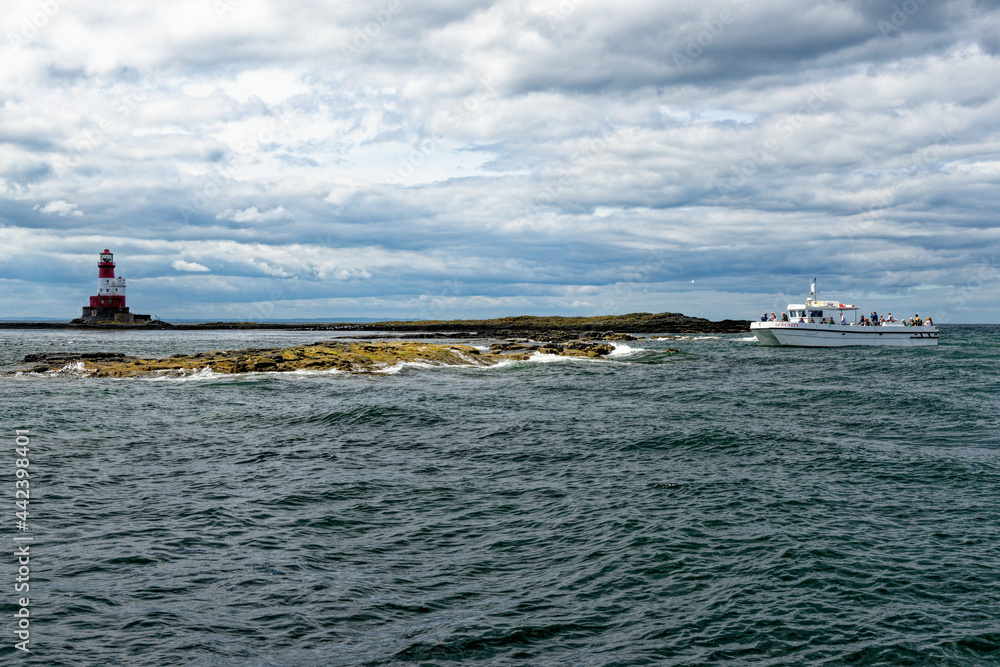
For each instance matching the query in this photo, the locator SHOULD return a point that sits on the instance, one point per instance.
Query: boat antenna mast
(812, 290)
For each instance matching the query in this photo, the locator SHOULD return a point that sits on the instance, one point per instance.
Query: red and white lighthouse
(109, 303)
(110, 292)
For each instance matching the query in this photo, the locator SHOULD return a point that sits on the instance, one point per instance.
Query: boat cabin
(818, 310)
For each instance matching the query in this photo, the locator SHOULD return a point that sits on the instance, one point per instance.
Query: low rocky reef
(347, 356)
(554, 328)
(536, 327)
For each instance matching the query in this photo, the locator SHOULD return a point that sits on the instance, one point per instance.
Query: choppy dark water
(733, 504)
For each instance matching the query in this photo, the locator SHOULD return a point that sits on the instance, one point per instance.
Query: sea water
(728, 503)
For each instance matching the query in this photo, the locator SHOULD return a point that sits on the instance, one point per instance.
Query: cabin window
(815, 313)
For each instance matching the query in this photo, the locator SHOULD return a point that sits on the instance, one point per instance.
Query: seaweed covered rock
(578, 348)
(348, 356)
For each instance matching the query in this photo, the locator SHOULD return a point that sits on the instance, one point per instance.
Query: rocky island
(347, 356)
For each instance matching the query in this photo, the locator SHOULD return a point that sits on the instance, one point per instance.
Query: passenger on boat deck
(801, 320)
(812, 321)
(763, 318)
(784, 316)
(881, 321)
(927, 322)
(773, 318)
(843, 320)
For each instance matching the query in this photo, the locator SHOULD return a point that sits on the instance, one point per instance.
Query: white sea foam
(310, 372)
(186, 375)
(543, 358)
(399, 366)
(540, 358)
(206, 373)
(624, 350)
(536, 358)
(621, 350)
(501, 364)
(77, 369)
(466, 358)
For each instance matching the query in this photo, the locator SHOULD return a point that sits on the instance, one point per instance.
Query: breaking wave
(77, 369)
(185, 375)
(625, 350)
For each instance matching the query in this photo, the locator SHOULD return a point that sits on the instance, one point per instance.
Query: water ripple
(729, 504)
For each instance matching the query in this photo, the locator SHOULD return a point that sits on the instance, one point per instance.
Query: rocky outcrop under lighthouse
(120, 315)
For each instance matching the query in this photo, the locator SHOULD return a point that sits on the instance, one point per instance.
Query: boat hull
(800, 334)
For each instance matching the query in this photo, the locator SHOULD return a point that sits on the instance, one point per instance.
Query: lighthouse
(110, 292)
(109, 303)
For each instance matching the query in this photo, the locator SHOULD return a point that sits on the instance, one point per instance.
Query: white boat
(805, 328)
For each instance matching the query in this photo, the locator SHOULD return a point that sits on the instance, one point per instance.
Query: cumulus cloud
(253, 215)
(181, 265)
(59, 207)
(552, 155)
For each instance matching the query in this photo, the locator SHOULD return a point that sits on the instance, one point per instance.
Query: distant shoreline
(499, 327)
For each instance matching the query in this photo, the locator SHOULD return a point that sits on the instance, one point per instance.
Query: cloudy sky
(252, 159)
